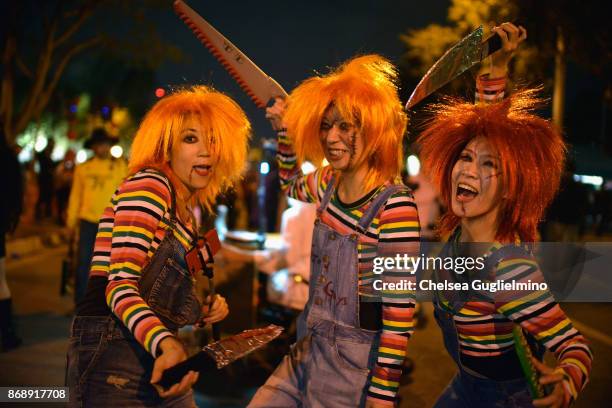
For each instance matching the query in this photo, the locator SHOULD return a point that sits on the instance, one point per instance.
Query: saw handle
(200, 362)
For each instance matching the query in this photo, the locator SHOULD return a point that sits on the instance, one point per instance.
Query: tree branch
(23, 67)
(83, 14)
(43, 100)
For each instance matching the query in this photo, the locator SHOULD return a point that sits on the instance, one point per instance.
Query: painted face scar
(353, 147)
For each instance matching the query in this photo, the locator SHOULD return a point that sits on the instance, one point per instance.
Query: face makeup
(190, 157)
(475, 180)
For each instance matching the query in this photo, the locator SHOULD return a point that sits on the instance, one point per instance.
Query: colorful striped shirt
(394, 230)
(484, 328)
(130, 230)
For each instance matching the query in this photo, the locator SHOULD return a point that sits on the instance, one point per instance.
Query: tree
(557, 31)
(43, 39)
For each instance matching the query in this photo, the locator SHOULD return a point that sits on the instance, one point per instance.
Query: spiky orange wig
(531, 151)
(221, 119)
(364, 91)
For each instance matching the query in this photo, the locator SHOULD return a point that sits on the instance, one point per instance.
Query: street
(43, 319)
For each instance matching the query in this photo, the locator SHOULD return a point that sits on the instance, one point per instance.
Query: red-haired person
(351, 345)
(190, 146)
(497, 167)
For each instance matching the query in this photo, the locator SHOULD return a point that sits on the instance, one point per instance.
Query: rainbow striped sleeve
(539, 314)
(308, 187)
(139, 206)
(490, 89)
(399, 234)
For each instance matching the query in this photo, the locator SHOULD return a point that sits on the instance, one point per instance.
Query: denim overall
(330, 364)
(469, 389)
(106, 366)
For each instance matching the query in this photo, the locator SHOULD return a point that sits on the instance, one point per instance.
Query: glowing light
(73, 108)
(105, 110)
(593, 180)
(41, 143)
(116, 151)
(160, 92)
(325, 163)
(413, 165)
(279, 280)
(264, 168)
(25, 155)
(81, 156)
(308, 167)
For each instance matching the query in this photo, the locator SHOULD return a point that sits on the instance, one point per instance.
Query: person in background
(46, 169)
(10, 211)
(64, 173)
(288, 266)
(94, 183)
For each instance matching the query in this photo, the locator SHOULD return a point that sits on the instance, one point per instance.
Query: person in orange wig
(497, 167)
(351, 345)
(190, 146)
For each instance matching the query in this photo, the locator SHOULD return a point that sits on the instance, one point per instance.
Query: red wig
(531, 150)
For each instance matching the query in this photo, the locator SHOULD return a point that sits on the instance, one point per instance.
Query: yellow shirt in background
(93, 185)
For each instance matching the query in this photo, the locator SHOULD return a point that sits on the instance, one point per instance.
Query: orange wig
(364, 91)
(531, 151)
(227, 132)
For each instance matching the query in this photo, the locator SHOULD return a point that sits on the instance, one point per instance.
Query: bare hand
(549, 375)
(216, 313)
(275, 114)
(511, 36)
(172, 354)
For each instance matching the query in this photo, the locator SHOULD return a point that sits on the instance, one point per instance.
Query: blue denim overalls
(469, 389)
(106, 366)
(330, 364)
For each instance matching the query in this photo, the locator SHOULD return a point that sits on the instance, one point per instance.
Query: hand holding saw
(260, 87)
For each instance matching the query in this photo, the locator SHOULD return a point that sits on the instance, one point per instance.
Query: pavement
(43, 319)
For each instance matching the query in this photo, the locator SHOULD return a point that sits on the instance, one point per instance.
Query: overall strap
(377, 204)
(326, 195)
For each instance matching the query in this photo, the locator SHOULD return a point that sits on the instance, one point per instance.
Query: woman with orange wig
(497, 167)
(190, 146)
(351, 343)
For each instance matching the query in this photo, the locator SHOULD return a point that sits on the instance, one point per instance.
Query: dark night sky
(290, 40)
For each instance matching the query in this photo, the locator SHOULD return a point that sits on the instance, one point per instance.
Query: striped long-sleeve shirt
(130, 230)
(395, 230)
(484, 329)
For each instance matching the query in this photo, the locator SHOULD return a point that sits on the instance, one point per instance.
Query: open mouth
(335, 154)
(465, 192)
(202, 169)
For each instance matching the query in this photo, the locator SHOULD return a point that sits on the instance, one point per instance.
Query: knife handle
(494, 42)
(200, 362)
(216, 332)
(491, 45)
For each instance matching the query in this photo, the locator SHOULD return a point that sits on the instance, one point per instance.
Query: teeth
(467, 187)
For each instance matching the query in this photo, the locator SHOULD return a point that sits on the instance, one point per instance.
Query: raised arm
(491, 80)
(302, 187)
